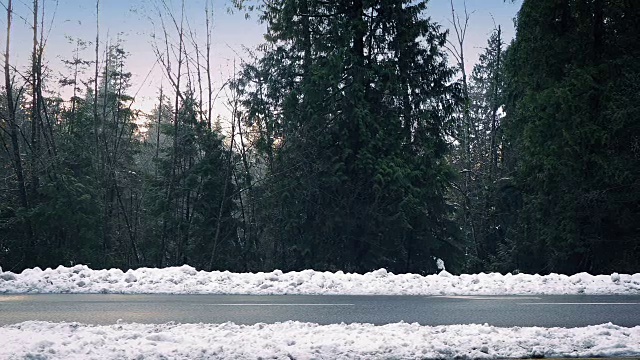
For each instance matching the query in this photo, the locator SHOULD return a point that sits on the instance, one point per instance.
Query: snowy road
(276, 315)
(504, 311)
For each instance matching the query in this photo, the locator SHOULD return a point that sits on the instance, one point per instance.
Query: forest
(356, 140)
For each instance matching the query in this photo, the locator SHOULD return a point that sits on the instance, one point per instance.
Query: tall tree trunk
(494, 107)
(223, 199)
(176, 126)
(247, 183)
(169, 196)
(35, 108)
(208, 67)
(457, 49)
(95, 91)
(160, 258)
(15, 144)
(157, 156)
(44, 133)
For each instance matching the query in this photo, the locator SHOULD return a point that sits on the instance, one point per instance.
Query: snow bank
(295, 340)
(186, 280)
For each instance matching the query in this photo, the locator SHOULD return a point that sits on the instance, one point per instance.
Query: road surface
(104, 309)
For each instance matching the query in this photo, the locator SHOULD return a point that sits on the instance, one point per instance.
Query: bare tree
(164, 56)
(457, 50)
(463, 132)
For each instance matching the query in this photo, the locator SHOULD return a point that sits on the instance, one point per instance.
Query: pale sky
(131, 21)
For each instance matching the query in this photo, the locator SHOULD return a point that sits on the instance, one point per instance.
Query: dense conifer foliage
(574, 125)
(352, 99)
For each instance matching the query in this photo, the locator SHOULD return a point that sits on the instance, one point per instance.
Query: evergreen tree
(573, 125)
(352, 101)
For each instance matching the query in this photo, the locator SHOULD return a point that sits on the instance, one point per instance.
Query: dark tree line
(351, 144)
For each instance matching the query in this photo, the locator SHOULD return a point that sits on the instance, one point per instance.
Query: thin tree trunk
(130, 229)
(176, 118)
(176, 109)
(11, 109)
(15, 144)
(95, 88)
(223, 199)
(160, 103)
(494, 107)
(460, 29)
(35, 111)
(160, 258)
(247, 183)
(208, 69)
(75, 83)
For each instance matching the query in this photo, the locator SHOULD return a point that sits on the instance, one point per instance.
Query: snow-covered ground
(186, 280)
(295, 340)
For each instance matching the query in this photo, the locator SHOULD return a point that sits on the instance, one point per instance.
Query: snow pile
(186, 280)
(295, 340)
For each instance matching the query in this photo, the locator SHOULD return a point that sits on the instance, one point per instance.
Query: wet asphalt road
(547, 311)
